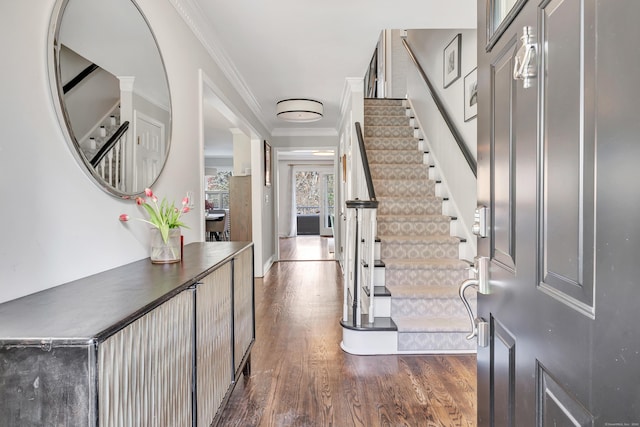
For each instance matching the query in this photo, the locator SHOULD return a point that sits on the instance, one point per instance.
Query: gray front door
(559, 174)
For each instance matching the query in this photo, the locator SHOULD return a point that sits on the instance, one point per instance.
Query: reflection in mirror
(112, 94)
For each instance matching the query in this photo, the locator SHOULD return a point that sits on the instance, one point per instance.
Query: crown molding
(193, 16)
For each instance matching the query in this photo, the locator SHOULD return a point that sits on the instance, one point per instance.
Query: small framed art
(267, 164)
(451, 60)
(471, 95)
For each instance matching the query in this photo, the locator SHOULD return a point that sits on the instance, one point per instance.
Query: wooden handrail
(365, 162)
(109, 144)
(80, 77)
(443, 111)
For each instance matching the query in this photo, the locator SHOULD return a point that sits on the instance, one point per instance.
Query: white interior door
(149, 150)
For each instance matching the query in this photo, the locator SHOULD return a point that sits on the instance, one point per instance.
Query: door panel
(503, 369)
(502, 172)
(559, 166)
(557, 406)
(567, 200)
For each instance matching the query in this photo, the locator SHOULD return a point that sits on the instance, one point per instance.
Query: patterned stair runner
(422, 266)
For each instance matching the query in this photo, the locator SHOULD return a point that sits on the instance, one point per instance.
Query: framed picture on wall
(451, 60)
(267, 164)
(471, 95)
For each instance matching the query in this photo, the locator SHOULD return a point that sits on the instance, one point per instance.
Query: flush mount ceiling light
(299, 110)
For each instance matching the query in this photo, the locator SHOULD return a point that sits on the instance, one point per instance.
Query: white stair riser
(369, 342)
(379, 276)
(382, 306)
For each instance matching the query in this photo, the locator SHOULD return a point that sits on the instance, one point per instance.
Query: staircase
(110, 166)
(418, 268)
(100, 134)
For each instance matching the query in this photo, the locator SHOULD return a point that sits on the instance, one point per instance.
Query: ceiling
(273, 50)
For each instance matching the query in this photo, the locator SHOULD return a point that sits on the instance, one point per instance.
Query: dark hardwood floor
(301, 377)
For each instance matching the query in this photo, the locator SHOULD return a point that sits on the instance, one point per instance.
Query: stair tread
(379, 324)
(378, 291)
(432, 324)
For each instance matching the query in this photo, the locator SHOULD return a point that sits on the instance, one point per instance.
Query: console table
(141, 344)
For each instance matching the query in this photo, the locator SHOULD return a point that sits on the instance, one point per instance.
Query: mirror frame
(56, 85)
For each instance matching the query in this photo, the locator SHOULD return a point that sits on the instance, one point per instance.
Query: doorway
(305, 197)
(314, 202)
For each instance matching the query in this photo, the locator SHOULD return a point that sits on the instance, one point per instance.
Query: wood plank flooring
(306, 248)
(301, 377)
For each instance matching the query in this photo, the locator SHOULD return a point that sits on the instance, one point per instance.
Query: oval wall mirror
(111, 92)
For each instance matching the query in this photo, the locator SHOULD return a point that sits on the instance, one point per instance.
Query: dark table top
(94, 307)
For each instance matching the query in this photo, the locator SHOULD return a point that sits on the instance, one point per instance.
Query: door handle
(525, 60)
(479, 326)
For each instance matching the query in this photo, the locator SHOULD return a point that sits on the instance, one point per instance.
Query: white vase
(164, 253)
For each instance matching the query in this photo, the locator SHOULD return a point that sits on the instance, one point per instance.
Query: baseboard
(267, 265)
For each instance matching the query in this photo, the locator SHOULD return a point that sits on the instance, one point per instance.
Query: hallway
(301, 377)
(306, 248)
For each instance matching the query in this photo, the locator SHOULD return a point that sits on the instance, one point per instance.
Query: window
(217, 190)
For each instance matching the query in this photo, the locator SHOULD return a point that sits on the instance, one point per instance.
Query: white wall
(241, 154)
(58, 225)
(428, 46)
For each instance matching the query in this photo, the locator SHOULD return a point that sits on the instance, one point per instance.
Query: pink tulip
(185, 201)
(154, 198)
(124, 217)
(139, 201)
(148, 192)
(185, 209)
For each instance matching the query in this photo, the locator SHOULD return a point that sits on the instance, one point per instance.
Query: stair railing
(108, 162)
(80, 77)
(443, 111)
(361, 234)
